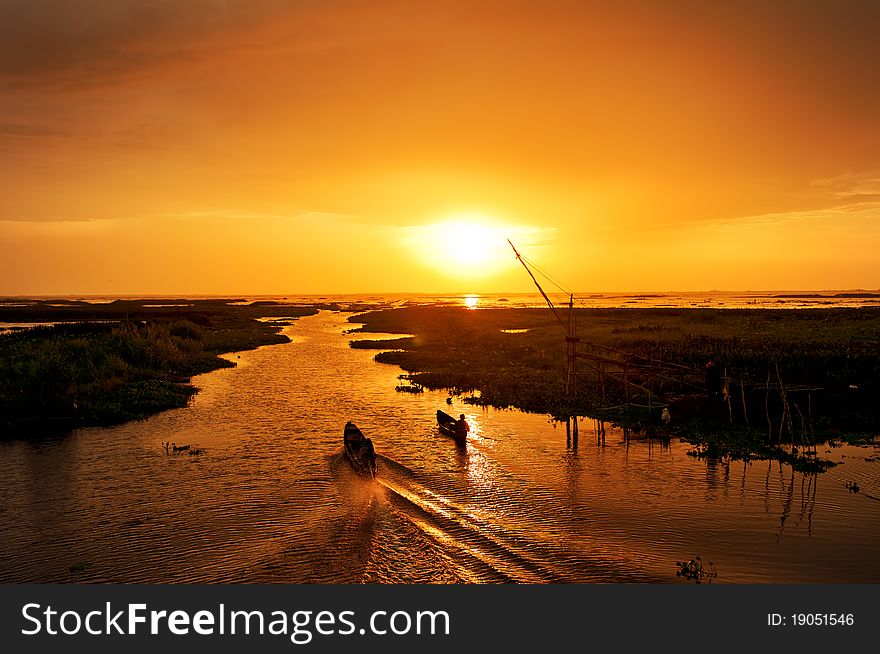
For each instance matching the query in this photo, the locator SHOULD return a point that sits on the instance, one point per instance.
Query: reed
(103, 373)
(825, 359)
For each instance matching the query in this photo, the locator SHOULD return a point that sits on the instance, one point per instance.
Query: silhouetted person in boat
(713, 380)
(462, 425)
(370, 455)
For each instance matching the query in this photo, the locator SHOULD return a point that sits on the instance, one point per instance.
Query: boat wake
(482, 545)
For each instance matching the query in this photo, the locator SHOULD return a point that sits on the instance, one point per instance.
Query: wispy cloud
(28, 130)
(860, 186)
(233, 214)
(836, 216)
(50, 219)
(823, 201)
(205, 215)
(80, 43)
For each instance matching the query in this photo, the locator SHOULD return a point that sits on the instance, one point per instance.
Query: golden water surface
(272, 500)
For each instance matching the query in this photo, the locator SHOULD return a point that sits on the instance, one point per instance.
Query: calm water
(272, 500)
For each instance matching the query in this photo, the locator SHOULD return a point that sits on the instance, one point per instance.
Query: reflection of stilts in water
(711, 477)
(807, 499)
(786, 507)
(807, 496)
(573, 486)
(814, 482)
(726, 487)
(639, 433)
(571, 433)
(599, 428)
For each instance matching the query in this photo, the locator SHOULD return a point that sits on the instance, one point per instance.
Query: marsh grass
(99, 373)
(836, 352)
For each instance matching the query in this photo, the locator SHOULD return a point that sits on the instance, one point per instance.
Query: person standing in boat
(462, 425)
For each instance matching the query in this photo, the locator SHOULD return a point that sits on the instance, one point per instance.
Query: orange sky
(312, 147)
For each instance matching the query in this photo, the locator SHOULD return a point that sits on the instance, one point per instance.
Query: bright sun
(467, 244)
(462, 246)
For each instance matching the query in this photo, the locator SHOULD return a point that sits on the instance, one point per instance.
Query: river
(272, 500)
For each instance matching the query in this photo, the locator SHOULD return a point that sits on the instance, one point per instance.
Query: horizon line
(234, 295)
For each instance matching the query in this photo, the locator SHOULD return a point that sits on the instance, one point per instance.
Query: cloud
(50, 219)
(863, 186)
(47, 44)
(232, 214)
(26, 130)
(202, 215)
(829, 201)
(833, 217)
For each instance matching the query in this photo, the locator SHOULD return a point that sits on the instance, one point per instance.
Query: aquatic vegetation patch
(100, 373)
(799, 376)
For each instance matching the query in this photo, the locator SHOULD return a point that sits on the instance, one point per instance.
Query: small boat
(358, 449)
(449, 426)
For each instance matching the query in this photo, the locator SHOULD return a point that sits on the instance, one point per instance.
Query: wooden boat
(358, 449)
(449, 426)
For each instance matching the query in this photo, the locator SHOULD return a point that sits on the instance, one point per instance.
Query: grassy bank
(135, 363)
(832, 353)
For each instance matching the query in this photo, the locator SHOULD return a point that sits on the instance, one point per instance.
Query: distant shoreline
(775, 299)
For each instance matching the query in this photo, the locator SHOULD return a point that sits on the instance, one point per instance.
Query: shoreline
(825, 360)
(126, 360)
(135, 359)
